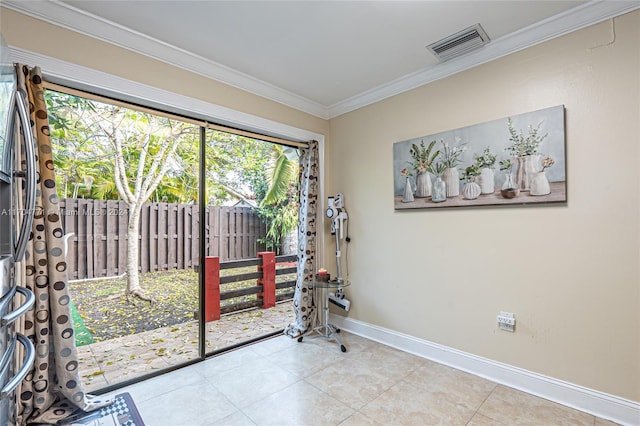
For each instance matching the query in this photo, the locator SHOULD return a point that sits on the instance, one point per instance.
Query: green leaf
(282, 174)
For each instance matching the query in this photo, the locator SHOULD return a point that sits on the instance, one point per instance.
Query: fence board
(194, 237)
(179, 242)
(224, 233)
(237, 233)
(163, 237)
(172, 235)
(153, 237)
(98, 237)
(241, 240)
(231, 243)
(143, 242)
(215, 232)
(88, 236)
(110, 232)
(211, 244)
(246, 236)
(188, 237)
(252, 231)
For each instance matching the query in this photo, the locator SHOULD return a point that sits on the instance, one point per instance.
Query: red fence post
(212, 288)
(268, 280)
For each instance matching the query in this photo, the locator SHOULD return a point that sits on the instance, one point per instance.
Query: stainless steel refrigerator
(17, 200)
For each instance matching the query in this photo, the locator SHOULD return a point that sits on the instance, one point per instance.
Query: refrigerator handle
(17, 313)
(29, 357)
(30, 181)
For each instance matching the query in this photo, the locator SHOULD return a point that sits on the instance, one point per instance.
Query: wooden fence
(169, 236)
(275, 278)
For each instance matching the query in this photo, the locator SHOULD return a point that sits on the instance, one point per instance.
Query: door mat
(122, 412)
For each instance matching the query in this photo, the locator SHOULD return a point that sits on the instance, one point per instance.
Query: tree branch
(165, 167)
(144, 150)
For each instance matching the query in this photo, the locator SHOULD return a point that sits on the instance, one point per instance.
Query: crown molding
(77, 76)
(71, 18)
(68, 17)
(553, 27)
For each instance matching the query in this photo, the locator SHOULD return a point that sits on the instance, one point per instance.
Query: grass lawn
(82, 333)
(103, 312)
(108, 313)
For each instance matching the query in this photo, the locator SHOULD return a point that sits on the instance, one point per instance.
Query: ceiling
(322, 57)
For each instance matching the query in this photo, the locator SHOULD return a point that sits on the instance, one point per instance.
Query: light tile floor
(282, 382)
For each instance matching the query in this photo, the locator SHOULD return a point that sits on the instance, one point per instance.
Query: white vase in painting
(539, 184)
(439, 193)
(423, 185)
(471, 190)
(486, 180)
(407, 196)
(526, 166)
(452, 180)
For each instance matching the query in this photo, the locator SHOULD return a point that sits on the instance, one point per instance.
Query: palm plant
(281, 174)
(421, 157)
(279, 207)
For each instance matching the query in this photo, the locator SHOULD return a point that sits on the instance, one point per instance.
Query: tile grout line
(261, 399)
(330, 396)
(482, 403)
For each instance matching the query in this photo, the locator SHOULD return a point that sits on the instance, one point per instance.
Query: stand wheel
(337, 330)
(300, 339)
(343, 348)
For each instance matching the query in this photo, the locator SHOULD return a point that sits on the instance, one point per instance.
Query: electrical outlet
(506, 321)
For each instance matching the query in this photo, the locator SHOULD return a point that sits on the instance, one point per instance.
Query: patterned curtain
(52, 391)
(303, 301)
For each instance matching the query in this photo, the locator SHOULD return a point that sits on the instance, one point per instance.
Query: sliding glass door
(181, 240)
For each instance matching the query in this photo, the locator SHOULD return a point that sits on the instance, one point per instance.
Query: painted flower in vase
(539, 182)
(422, 158)
(471, 190)
(524, 149)
(546, 163)
(485, 162)
(451, 159)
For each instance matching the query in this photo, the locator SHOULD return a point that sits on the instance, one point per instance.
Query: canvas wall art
(514, 160)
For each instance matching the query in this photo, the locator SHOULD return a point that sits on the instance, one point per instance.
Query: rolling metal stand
(337, 213)
(326, 330)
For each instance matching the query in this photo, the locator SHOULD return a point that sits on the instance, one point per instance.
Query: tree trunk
(290, 242)
(133, 256)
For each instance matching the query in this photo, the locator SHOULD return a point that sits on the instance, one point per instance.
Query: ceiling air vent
(459, 43)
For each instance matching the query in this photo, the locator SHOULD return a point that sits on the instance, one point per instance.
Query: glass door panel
(250, 253)
(128, 187)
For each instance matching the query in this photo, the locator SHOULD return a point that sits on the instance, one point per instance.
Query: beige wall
(569, 273)
(40, 37)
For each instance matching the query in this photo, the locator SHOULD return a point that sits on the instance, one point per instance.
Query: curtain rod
(165, 114)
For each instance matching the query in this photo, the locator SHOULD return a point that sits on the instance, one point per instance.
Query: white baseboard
(600, 404)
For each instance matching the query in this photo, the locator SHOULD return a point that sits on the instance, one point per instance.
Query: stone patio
(113, 361)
